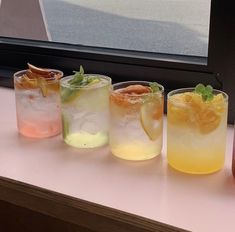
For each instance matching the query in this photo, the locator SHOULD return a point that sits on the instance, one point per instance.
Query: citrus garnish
(193, 110)
(128, 96)
(40, 71)
(42, 84)
(36, 77)
(151, 113)
(208, 121)
(135, 90)
(65, 131)
(27, 83)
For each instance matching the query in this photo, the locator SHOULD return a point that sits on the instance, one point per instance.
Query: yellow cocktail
(136, 120)
(196, 130)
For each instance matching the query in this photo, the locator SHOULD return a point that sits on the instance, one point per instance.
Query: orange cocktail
(196, 129)
(38, 102)
(136, 120)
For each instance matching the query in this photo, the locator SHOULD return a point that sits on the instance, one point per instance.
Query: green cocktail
(85, 109)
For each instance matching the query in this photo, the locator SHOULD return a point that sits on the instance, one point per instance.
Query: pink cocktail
(38, 102)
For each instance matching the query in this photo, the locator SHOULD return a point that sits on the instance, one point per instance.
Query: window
(163, 26)
(171, 70)
(173, 27)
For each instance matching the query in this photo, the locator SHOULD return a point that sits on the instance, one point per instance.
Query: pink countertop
(150, 189)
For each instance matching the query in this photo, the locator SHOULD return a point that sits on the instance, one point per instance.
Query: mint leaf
(205, 92)
(199, 88)
(209, 88)
(81, 71)
(154, 87)
(210, 96)
(78, 77)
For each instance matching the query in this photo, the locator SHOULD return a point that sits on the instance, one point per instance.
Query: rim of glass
(19, 74)
(191, 89)
(128, 83)
(64, 82)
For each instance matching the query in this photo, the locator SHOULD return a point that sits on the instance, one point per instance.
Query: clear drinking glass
(136, 121)
(85, 112)
(233, 152)
(38, 104)
(196, 131)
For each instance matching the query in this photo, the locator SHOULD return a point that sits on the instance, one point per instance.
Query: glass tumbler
(233, 152)
(85, 112)
(196, 131)
(38, 104)
(136, 121)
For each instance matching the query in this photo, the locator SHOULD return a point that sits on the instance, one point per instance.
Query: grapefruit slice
(42, 71)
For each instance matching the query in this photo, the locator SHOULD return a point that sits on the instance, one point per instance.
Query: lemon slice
(151, 118)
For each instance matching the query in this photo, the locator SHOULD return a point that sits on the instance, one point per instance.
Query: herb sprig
(80, 79)
(205, 91)
(154, 87)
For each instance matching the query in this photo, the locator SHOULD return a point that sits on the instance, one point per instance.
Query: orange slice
(209, 120)
(151, 117)
(190, 110)
(210, 117)
(219, 103)
(177, 113)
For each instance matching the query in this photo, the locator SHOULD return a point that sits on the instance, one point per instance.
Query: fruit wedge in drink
(196, 129)
(85, 109)
(136, 120)
(38, 101)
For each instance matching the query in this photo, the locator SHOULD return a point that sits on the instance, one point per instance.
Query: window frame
(172, 71)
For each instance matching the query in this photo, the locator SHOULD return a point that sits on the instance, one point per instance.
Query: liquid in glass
(136, 120)
(196, 131)
(85, 110)
(38, 102)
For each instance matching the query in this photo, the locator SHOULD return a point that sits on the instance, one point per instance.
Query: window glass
(162, 26)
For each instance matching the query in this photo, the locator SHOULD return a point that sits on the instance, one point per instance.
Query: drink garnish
(78, 77)
(205, 91)
(35, 72)
(154, 87)
(151, 113)
(35, 77)
(79, 80)
(134, 90)
(199, 109)
(65, 122)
